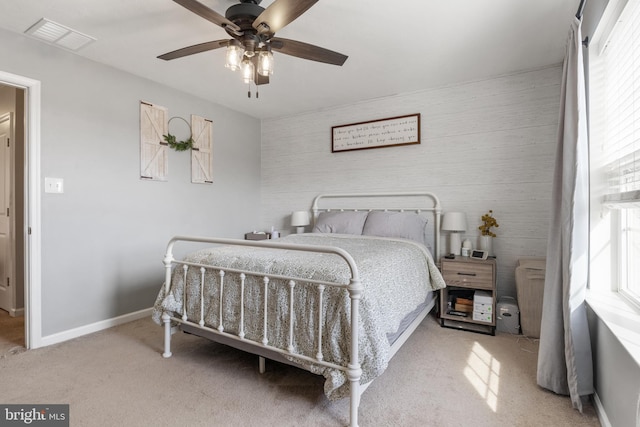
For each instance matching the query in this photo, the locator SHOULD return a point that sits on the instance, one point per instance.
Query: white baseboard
(602, 415)
(94, 327)
(16, 312)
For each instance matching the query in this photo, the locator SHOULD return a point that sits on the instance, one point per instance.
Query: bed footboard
(264, 347)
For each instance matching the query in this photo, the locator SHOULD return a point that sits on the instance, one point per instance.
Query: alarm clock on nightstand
(479, 254)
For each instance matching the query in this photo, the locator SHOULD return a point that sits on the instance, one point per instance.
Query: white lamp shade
(454, 221)
(300, 218)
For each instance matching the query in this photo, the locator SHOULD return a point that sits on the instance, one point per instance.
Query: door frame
(32, 220)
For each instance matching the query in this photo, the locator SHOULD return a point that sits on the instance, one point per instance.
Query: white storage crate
(482, 317)
(482, 306)
(482, 297)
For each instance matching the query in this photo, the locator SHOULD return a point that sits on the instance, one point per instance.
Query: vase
(486, 244)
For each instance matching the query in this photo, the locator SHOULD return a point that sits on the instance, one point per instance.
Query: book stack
(460, 305)
(464, 305)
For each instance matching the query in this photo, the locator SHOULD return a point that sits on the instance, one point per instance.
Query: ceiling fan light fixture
(235, 53)
(265, 63)
(248, 71)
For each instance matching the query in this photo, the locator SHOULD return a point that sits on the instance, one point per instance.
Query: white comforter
(396, 275)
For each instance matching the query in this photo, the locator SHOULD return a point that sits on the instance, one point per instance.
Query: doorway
(8, 285)
(11, 197)
(25, 206)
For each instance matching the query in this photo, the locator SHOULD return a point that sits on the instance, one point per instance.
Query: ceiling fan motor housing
(243, 15)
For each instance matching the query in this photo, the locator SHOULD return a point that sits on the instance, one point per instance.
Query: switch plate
(54, 185)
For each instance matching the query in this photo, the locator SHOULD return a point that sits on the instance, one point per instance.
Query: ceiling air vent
(58, 35)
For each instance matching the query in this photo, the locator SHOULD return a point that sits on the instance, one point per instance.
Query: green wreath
(173, 142)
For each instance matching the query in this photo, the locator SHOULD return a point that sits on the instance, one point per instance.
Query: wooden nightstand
(464, 277)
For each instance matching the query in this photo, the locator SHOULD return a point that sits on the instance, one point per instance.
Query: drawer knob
(466, 274)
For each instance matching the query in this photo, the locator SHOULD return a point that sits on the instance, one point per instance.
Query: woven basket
(530, 274)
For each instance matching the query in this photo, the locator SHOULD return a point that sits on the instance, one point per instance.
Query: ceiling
(394, 47)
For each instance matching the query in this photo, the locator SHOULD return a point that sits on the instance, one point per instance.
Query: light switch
(53, 185)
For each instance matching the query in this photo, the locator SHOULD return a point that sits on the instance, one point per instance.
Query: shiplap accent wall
(486, 144)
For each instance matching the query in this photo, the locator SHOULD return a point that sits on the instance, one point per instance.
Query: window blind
(622, 110)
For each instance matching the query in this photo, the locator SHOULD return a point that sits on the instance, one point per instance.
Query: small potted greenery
(486, 234)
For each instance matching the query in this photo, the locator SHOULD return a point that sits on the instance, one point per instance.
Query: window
(630, 253)
(614, 91)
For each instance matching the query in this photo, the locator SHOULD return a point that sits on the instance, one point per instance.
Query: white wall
(486, 144)
(616, 374)
(103, 240)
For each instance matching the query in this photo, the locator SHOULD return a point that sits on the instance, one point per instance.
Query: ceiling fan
(252, 29)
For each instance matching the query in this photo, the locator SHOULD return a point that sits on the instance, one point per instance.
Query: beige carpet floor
(441, 377)
(11, 333)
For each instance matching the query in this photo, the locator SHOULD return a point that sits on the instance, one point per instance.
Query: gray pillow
(343, 222)
(403, 225)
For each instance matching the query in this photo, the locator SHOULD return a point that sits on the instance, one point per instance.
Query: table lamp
(300, 219)
(455, 223)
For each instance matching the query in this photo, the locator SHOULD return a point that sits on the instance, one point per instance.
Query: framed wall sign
(402, 130)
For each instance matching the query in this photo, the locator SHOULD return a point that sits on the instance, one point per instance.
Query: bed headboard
(420, 202)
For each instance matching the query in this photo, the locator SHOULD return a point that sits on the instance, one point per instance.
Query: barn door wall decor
(154, 158)
(202, 151)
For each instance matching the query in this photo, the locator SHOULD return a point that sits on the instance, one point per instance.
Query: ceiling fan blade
(207, 13)
(279, 14)
(196, 48)
(307, 51)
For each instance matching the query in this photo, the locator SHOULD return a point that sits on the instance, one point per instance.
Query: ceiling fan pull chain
(249, 92)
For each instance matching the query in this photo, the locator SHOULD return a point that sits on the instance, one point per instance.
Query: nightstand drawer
(466, 274)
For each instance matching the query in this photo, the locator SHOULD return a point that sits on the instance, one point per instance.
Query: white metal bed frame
(354, 287)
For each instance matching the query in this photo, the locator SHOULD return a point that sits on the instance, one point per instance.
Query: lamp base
(299, 230)
(454, 243)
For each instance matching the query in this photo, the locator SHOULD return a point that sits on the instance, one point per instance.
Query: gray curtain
(564, 357)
